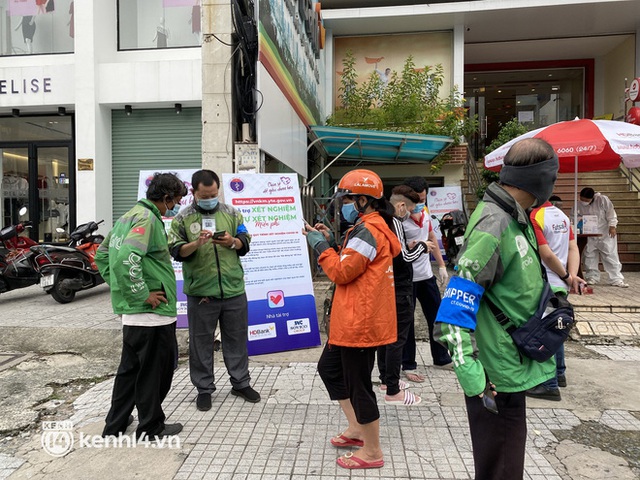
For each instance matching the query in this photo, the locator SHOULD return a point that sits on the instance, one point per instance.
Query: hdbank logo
(263, 331)
(298, 326)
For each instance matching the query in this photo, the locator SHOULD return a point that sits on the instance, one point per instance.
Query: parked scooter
(18, 265)
(71, 268)
(452, 227)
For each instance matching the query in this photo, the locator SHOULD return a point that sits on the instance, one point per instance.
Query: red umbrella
(583, 146)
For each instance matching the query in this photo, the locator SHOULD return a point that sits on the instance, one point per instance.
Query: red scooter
(18, 265)
(71, 268)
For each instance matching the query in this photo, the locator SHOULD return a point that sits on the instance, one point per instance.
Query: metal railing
(632, 176)
(474, 179)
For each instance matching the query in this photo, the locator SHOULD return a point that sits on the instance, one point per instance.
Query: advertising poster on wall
(282, 310)
(384, 54)
(441, 200)
(184, 175)
(290, 40)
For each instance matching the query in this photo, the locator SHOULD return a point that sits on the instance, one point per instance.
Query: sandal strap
(409, 398)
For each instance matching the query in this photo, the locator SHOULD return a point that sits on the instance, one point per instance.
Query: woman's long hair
(386, 211)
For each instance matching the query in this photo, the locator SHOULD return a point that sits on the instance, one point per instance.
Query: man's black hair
(587, 192)
(419, 184)
(204, 177)
(555, 198)
(165, 185)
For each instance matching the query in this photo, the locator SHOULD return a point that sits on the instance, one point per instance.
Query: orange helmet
(360, 182)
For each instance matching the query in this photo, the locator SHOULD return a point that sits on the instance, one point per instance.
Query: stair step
(614, 185)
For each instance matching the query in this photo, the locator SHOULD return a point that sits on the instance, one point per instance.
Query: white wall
(280, 132)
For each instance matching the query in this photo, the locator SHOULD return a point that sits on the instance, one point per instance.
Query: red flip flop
(359, 463)
(346, 441)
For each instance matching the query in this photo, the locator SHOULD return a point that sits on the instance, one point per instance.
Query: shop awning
(377, 145)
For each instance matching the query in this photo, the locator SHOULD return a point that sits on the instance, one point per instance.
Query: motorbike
(18, 265)
(70, 268)
(452, 227)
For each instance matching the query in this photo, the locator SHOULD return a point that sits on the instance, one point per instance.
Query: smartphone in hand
(488, 400)
(219, 234)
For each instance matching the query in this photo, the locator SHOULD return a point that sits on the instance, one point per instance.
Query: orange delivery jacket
(363, 313)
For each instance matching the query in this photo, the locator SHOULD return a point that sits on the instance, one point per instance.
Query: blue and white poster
(282, 309)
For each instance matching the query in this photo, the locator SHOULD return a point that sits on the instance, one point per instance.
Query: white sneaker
(620, 284)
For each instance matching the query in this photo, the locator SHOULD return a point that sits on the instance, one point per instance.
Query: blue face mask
(208, 203)
(173, 211)
(349, 212)
(419, 208)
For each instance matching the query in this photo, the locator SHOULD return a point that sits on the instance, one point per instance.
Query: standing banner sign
(185, 175)
(441, 200)
(282, 310)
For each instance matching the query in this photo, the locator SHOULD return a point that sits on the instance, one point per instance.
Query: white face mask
(586, 204)
(401, 211)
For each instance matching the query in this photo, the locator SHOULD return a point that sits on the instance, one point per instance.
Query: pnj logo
(236, 184)
(275, 298)
(262, 331)
(57, 438)
(298, 326)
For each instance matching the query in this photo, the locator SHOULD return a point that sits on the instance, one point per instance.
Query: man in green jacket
(134, 260)
(209, 238)
(499, 261)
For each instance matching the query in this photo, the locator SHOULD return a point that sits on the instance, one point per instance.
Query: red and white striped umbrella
(583, 146)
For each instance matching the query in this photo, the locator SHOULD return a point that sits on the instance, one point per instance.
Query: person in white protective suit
(605, 247)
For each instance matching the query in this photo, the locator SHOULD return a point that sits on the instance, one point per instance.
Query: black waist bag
(545, 332)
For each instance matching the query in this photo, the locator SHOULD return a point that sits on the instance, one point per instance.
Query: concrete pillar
(92, 123)
(637, 59)
(217, 65)
(458, 56)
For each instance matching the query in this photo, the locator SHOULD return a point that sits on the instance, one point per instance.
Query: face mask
(419, 208)
(208, 204)
(349, 212)
(585, 204)
(172, 212)
(402, 212)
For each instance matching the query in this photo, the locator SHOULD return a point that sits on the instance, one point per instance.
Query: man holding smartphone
(209, 238)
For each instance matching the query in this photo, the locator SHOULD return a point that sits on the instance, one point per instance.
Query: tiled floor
(286, 435)
(617, 352)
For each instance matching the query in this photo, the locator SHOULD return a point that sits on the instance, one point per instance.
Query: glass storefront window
(38, 172)
(36, 27)
(144, 24)
(535, 98)
(33, 129)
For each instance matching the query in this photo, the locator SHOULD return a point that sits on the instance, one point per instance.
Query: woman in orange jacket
(363, 314)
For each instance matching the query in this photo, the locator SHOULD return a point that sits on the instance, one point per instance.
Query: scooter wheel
(61, 294)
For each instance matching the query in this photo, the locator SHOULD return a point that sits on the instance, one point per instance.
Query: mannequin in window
(28, 24)
(71, 30)
(41, 4)
(195, 21)
(162, 35)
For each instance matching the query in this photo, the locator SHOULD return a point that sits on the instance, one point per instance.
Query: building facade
(91, 92)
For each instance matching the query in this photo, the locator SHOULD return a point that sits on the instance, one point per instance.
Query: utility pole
(217, 107)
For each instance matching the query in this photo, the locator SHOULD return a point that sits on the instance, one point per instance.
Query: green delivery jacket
(212, 270)
(499, 254)
(134, 260)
